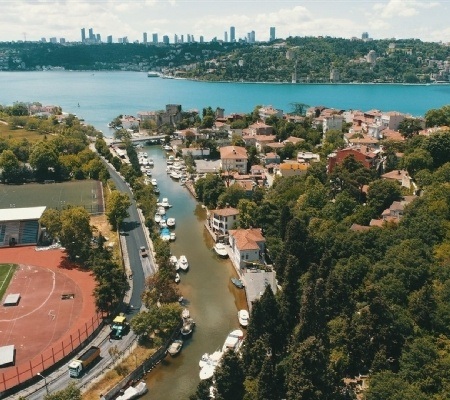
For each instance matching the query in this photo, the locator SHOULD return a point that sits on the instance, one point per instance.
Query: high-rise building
(188, 38)
(225, 36)
(175, 38)
(155, 38)
(272, 33)
(144, 38)
(202, 39)
(251, 37)
(232, 34)
(91, 34)
(166, 39)
(365, 36)
(83, 35)
(98, 38)
(53, 40)
(182, 39)
(109, 39)
(62, 40)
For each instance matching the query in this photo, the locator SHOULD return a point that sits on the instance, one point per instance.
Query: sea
(99, 97)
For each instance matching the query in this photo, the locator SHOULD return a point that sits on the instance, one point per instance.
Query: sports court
(86, 193)
(51, 315)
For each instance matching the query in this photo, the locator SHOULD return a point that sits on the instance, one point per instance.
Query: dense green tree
(51, 220)
(382, 193)
(76, 232)
(11, 168)
(117, 208)
(232, 195)
(229, 378)
(44, 159)
(71, 392)
(410, 127)
(388, 385)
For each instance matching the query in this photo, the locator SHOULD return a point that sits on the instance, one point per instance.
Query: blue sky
(33, 19)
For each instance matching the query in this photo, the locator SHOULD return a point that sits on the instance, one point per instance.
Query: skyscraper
(225, 36)
(83, 35)
(166, 39)
(109, 39)
(144, 38)
(232, 34)
(272, 33)
(155, 38)
(91, 34)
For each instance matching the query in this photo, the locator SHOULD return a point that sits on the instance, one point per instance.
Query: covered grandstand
(20, 226)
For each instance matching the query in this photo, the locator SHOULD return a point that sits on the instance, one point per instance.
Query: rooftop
(21, 214)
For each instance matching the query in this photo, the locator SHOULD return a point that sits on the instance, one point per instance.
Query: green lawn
(7, 133)
(6, 274)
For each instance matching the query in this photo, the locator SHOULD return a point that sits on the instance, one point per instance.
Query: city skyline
(32, 20)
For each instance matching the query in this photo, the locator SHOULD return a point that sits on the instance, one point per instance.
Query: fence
(16, 379)
(144, 368)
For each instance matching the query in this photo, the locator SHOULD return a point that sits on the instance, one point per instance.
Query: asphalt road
(135, 237)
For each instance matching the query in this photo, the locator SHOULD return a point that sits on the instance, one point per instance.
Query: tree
(10, 165)
(388, 385)
(299, 108)
(417, 160)
(51, 220)
(229, 378)
(76, 232)
(71, 392)
(382, 193)
(232, 196)
(44, 159)
(117, 208)
(410, 127)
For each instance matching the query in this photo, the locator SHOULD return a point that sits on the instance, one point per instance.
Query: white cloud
(401, 8)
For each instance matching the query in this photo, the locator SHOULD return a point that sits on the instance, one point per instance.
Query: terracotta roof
(246, 184)
(233, 152)
(395, 174)
(294, 165)
(359, 228)
(225, 212)
(247, 239)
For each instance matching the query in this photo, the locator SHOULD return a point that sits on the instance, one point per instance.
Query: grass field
(6, 274)
(53, 195)
(7, 133)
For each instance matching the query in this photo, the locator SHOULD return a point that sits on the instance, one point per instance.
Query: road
(135, 237)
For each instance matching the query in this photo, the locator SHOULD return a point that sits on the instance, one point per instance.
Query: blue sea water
(101, 96)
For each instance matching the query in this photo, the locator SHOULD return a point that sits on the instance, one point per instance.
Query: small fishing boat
(185, 313)
(237, 282)
(243, 317)
(188, 326)
(157, 218)
(170, 222)
(221, 250)
(133, 392)
(233, 341)
(175, 347)
(183, 263)
(177, 278)
(173, 236)
(173, 260)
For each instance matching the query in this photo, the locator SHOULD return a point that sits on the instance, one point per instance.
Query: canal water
(212, 299)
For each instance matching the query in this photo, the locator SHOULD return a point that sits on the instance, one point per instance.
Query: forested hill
(304, 59)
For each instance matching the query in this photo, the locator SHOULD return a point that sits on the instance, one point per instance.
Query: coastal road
(135, 237)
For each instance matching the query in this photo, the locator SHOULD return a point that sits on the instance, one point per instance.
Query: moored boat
(173, 260)
(243, 317)
(175, 347)
(173, 236)
(183, 263)
(237, 282)
(157, 218)
(170, 222)
(177, 278)
(221, 250)
(208, 364)
(233, 341)
(188, 326)
(185, 313)
(133, 392)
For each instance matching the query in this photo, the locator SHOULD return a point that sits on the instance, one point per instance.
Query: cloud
(401, 8)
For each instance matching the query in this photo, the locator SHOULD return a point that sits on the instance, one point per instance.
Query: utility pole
(45, 381)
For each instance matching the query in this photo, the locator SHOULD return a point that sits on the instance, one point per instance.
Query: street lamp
(45, 381)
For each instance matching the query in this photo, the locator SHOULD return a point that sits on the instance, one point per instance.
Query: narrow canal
(212, 299)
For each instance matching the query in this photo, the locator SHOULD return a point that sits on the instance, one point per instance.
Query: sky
(32, 20)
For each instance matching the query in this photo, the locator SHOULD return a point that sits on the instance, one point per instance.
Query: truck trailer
(79, 365)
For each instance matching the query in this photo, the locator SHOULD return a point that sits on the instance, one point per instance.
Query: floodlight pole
(45, 381)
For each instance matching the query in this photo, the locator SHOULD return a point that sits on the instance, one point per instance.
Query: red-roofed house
(247, 245)
(361, 153)
(233, 158)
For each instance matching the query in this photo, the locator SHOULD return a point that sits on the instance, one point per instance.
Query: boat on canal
(173, 236)
(233, 341)
(183, 263)
(173, 260)
(133, 392)
(170, 222)
(177, 278)
(188, 326)
(175, 347)
(208, 364)
(237, 282)
(243, 318)
(221, 250)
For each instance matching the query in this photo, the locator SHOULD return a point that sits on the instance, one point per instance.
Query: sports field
(6, 273)
(87, 193)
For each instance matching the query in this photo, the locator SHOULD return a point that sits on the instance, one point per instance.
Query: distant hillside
(299, 59)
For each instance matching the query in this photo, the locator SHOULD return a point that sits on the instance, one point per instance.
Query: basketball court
(49, 302)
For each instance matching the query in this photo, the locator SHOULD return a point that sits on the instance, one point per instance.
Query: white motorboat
(188, 326)
(173, 236)
(157, 218)
(185, 313)
(133, 392)
(165, 202)
(175, 175)
(151, 163)
(161, 211)
(183, 181)
(173, 260)
(243, 317)
(166, 147)
(221, 250)
(154, 182)
(208, 364)
(233, 341)
(177, 278)
(183, 263)
(163, 223)
(170, 222)
(175, 347)
(148, 172)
